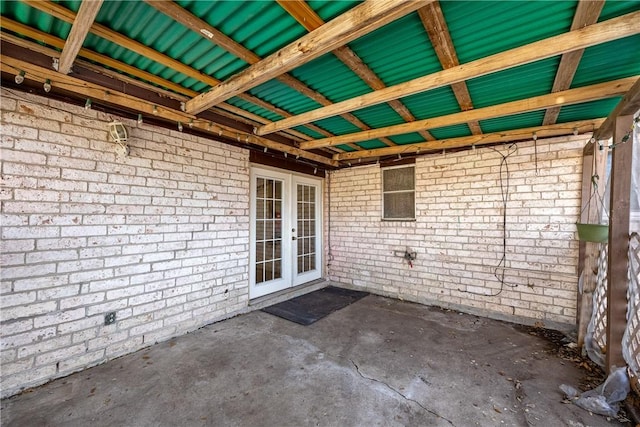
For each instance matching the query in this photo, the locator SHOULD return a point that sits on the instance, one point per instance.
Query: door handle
(294, 238)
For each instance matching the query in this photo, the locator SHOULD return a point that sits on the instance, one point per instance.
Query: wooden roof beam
(612, 29)
(106, 33)
(81, 24)
(628, 105)
(180, 92)
(94, 91)
(352, 24)
(587, 13)
(309, 19)
(436, 26)
(567, 97)
(67, 15)
(583, 126)
(199, 26)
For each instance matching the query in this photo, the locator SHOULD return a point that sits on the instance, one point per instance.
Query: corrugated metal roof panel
(515, 83)
(611, 9)
(331, 77)
(454, 131)
(482, 28)
(432, 103)
(143, 23)
(596, 65)
(588, 110)
(399, 51)
(252, 108)
(346, 148)
(327, 10)
(25, 14)
(379, 116)
(261, 26)
(515, 121)
(336, 125)
(283, 96)
(407, 138)
(372, 144)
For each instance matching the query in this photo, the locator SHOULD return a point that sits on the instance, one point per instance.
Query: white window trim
(398, 192)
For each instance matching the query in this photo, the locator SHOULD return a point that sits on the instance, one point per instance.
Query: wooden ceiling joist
(82, 23)
(309, 19)
(436, 26)
(67, 15)
(208, 32)
(629, 104)
(583, 126)
(354, 23)
(85, 89)
(567, 97)
(90, 55)
(587, 13)
(127, 69)
(612, 29)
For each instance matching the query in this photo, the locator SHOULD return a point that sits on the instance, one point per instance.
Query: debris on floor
(376, 362)
(604, 399)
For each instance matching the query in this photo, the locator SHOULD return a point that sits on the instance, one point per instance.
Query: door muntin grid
(268, 222)
(306, 232)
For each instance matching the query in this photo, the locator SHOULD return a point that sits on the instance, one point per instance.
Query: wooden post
(618, 262)
(588, 251)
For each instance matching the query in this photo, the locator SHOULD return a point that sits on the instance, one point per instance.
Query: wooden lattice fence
(631, 340)
(596, 339)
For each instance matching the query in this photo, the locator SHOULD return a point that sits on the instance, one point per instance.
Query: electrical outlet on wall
(110, 318)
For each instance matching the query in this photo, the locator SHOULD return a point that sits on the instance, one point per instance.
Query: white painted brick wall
(458, 232)
(159, 237)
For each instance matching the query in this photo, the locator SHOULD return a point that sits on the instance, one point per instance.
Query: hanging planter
(594, 232)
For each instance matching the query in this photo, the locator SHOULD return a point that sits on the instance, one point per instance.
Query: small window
(398, 193)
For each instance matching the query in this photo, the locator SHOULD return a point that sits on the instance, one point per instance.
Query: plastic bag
(602, 400)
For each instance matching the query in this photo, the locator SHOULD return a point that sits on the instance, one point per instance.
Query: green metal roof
(398, 52)
(483, 28)
(329, 76)
(521, 82)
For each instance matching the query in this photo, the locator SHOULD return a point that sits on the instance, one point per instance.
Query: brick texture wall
(160, 237)
(458, 232)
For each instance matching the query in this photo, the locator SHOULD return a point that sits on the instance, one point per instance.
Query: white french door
(285, 231)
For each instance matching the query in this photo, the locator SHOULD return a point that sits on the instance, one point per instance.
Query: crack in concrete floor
(398, 392)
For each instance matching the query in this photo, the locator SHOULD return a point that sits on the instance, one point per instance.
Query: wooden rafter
(436, 26)
(587, 13)
(82, 23)
(197, 25)
(355, 23)
(628, 105)
(67, 15)
(123, 67)
(567, 97)
(95, 91)
(309, 19)
(616, 28)
(583, 126)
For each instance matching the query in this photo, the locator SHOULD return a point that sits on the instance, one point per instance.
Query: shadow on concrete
(377, 362)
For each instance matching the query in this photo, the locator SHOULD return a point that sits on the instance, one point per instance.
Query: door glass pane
(268, 229)
(306, 206)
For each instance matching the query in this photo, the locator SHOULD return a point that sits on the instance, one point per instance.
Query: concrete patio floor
(377, 362)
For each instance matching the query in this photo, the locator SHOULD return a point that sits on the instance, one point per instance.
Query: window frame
(411, 191)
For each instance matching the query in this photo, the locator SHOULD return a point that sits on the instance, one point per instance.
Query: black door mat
(315, 305)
